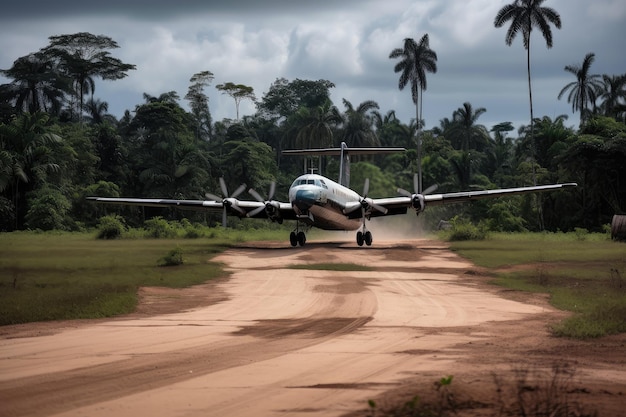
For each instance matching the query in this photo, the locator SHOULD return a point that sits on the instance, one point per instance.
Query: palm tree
(472, 135)
(416, 60)
(26, 156)
(37, 85)
(524, 15)
(612, 95)
(584, 91)
(317, 125)
(358, 124)
(97, 111)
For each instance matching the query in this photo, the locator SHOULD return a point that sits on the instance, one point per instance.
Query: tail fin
(344, 166)
(344, 153)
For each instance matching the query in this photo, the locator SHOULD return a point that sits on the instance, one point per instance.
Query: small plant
(173, 258)
(581, 233)
(110, 227)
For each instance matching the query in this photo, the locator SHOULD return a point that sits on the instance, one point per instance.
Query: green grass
(67, 276)
(582, 274)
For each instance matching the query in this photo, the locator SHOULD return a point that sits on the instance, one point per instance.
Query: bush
(173, 258)
(463, 229)
(48, 209)
(110, 227)
(159, 228)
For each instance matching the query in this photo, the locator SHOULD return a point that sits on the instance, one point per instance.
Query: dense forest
(59, 145)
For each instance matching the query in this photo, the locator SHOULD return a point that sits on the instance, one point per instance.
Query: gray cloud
(348, 43)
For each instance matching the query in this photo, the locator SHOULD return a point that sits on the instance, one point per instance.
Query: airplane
(317, 201)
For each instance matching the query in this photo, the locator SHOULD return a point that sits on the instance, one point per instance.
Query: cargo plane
(317, 201)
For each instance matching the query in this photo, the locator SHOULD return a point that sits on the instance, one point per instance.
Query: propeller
(228, 202)
(418, 201)
(270, 206)
(366, 202)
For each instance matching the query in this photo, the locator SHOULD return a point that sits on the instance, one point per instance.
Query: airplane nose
(304, 199)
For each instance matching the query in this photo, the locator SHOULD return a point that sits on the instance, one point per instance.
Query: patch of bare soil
(275, 341)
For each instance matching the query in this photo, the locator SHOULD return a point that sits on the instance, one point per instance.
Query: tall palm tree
(416, 60)
(584, 91)
(524, 16)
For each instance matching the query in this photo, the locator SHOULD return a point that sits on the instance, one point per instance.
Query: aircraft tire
(359, 238)
(367, 237)
(293, 239)
(301, 238)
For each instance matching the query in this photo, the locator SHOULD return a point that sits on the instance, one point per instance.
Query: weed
(173, 258)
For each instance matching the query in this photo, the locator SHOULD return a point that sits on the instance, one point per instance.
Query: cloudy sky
(347, 42)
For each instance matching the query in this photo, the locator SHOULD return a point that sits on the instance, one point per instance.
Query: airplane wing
(399, 205)
(233, 206)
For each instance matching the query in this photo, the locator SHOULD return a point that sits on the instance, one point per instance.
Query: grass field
(584, 274)
(53, 276)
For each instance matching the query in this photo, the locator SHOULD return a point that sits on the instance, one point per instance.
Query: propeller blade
(223, 187)
(416, 184)
(256, 195)
(379, 208)
(366, 187)
(239, 190)
(255, 211)
(272, 190)
(404, 192)
(213, 197)
(430, 189)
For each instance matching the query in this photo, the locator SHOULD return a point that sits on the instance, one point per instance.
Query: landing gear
(364, 237)
(297, 237)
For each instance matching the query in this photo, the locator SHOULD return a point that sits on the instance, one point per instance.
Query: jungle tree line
(56, 147)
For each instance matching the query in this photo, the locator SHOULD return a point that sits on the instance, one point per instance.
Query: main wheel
(359, 238)
(368, 238)
(301, 238)
(293, 239)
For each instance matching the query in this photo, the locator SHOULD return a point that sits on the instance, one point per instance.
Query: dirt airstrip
(274, 341)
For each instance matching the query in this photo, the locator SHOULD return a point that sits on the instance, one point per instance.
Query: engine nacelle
(419, 203)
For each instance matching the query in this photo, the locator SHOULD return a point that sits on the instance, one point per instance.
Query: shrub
(463, 229)
(173, 258)
(159, 228)
(110, 227)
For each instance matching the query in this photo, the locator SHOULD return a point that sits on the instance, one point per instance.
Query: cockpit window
(311, 181)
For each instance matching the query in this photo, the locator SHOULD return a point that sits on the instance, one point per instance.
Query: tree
(472, 135)
(612, 96)
(524, 16)
(316, 126)
(26, 157)
(284, 98)
(238, 92)
(199, 103)
(37, 85)
(83, 56)
(358, 125)
(97, 111)
(416, 60)
(584, 91)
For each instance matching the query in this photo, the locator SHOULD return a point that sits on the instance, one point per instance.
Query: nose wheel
(364, 237)
(297, 238)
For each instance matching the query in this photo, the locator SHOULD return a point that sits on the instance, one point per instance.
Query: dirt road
(272, 341)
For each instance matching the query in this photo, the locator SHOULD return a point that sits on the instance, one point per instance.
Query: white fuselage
(320, 201)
